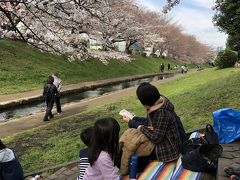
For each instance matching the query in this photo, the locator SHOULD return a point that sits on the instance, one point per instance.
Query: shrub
(226, 58)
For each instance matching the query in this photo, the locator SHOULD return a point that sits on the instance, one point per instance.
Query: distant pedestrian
(162, 68)
(10, 168)
(169, 67)
(182, 69)
(185, 68)
(176, 67)
(49, 93)
(58, 83)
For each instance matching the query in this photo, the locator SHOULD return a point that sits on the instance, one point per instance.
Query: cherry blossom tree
(65, 27)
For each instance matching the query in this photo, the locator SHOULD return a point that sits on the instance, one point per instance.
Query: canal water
(33, 108)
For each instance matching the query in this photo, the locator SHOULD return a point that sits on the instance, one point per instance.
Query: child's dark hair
(147, 94)
(86, 135)
(105, 137)
(2, 146)
(50, 80)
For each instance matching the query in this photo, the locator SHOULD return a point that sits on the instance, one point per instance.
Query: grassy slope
(195, 97)
(25, 68)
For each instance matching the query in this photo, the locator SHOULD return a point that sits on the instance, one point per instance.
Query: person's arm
(157, 133)
(106, 167)
(135, 121)
(44, 89)
(60, 85)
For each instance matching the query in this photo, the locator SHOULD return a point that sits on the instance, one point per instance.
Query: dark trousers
(145, 160)
(57, 100)
(48, 110)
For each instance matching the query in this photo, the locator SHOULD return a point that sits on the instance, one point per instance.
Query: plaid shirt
(165, 133)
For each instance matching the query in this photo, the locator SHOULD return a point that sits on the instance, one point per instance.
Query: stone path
(64, 174)
(229, 157)
(68, 172)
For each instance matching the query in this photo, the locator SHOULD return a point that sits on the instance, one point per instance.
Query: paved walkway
(229, 157)
(68, 172)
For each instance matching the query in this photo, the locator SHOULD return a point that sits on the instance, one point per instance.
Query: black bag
(202, 159)
(192, 144)
(210, 136)
(201, 154)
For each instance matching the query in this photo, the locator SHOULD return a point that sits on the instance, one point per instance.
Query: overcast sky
(194, 17)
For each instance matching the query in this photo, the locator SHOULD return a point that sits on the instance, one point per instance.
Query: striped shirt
(83, 163)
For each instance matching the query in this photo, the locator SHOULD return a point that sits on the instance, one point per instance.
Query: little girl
(103, 152)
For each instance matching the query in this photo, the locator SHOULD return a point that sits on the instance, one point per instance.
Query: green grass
(25, 68)
(195, 97)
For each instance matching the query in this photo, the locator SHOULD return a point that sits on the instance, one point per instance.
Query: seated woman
(161, 126)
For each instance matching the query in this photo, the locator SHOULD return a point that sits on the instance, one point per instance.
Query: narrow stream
(34, 108)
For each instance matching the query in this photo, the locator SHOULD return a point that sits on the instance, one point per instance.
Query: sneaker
(231, 170)
(51, 116)
(234, 177)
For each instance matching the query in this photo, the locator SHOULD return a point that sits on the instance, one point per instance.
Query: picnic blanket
(184, 174)
(170, 171)
(158, 170)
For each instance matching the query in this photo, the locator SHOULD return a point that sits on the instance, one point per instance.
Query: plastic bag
(226, 123)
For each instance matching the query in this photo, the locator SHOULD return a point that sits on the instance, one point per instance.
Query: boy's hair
(147, 94)
(2, 146)
(86, 135)
(105, 138)
(50, 80)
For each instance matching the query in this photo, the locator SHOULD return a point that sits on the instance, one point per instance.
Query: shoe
(231, 170)
(46, 120)
(59, 112)
(234, 177)
(51, 116)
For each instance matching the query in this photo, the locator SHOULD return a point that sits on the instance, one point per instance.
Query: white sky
(194, 17)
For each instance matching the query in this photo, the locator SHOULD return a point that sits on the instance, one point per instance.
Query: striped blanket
(170, 171)
(184, 174)
(158, 170)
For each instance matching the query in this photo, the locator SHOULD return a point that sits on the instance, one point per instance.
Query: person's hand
(126, 119)
(139, 127)
(150, 127)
